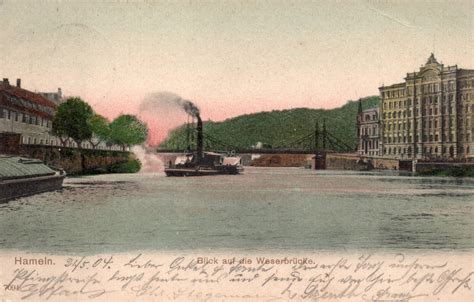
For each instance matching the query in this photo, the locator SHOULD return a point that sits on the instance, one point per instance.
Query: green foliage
(128, 130)
(100, 127)
(276, 127)
(72, 120)
(129, 166)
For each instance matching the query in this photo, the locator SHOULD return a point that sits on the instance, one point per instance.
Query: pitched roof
(27, 101)
(25, 94)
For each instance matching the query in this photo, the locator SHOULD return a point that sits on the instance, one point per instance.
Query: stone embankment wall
(281, 160)
(335, 161)
(69, 159)
(386, 163)
(338, 161)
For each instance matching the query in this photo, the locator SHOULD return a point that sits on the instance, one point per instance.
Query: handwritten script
(365, 277)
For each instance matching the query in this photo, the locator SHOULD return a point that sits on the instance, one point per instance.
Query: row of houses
(31, 114)
(428, 116)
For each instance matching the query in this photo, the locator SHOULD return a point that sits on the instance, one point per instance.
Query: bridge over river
(309, 149)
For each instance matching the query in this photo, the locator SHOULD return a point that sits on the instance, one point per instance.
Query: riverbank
(445, 169)
(82, 162)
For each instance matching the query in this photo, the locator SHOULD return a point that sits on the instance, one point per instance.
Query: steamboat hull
(15, 188)
(229, 170)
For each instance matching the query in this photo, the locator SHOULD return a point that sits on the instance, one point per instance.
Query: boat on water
(211, 163)
(202, 163)
(21, 177)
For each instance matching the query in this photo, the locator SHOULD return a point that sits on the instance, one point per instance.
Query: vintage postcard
(237, 150)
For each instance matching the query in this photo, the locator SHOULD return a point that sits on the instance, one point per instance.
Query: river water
(280, 209)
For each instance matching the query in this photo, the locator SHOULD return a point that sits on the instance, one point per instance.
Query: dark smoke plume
(155, 101)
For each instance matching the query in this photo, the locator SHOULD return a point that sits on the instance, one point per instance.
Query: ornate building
(430, 115)
(368, 131)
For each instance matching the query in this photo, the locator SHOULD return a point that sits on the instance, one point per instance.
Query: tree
(72, 120)
(128, 130)
(100, 129)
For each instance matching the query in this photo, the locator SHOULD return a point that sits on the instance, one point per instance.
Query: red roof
(25, 95)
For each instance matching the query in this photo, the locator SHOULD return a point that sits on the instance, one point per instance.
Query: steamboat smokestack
(199, 139)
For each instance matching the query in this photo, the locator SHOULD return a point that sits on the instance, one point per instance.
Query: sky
(228, 57)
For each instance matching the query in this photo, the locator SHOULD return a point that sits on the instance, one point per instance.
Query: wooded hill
(275, 128)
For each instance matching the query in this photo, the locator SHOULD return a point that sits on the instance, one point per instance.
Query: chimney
(18, 83)
(199, 139)
(5, 81)
(60, 93)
